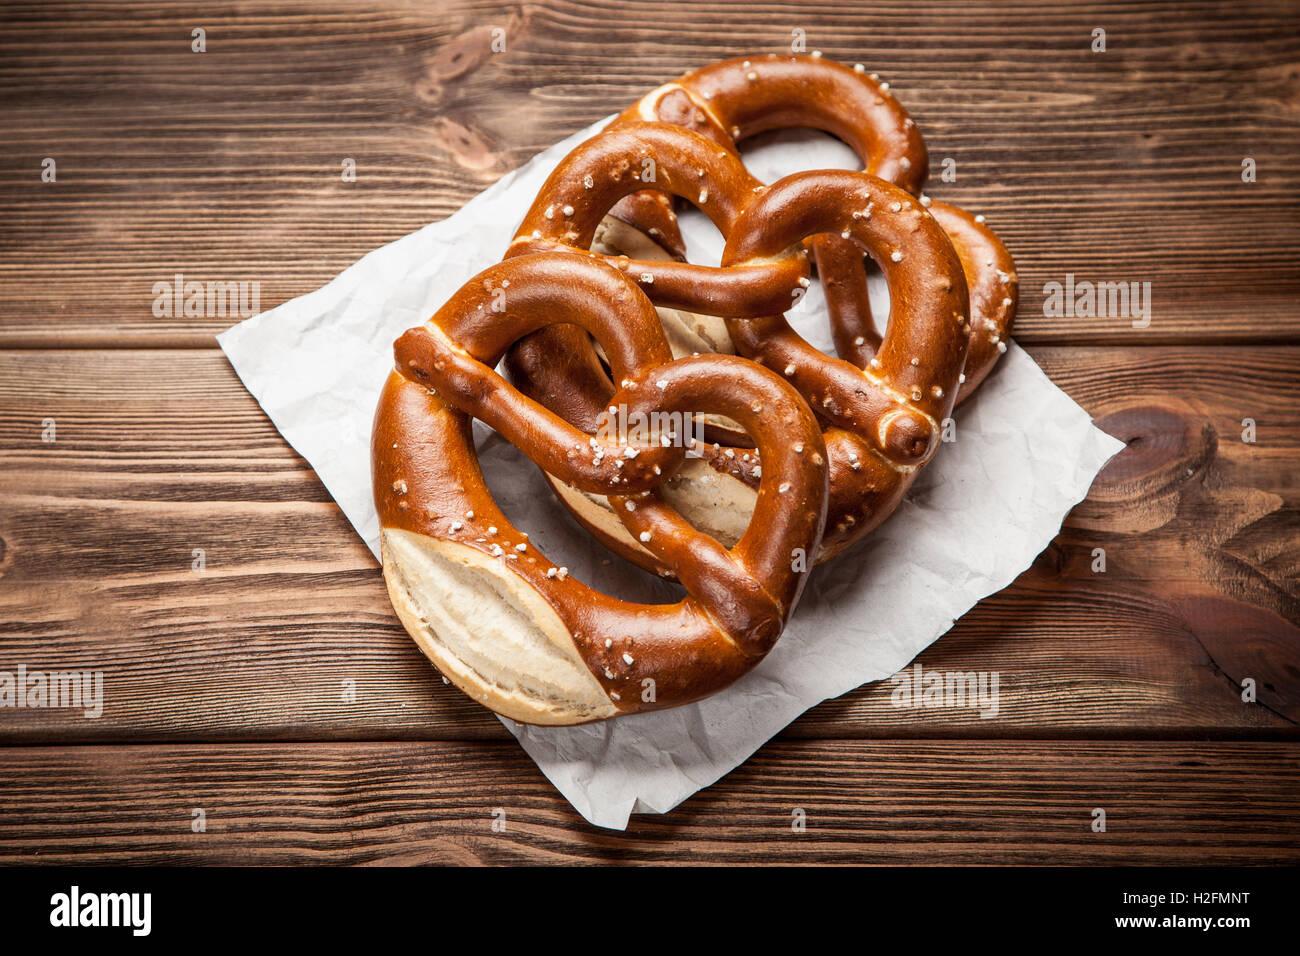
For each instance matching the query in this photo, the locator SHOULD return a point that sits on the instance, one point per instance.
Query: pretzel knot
(504, 623)
(882, 421)
(885, 399)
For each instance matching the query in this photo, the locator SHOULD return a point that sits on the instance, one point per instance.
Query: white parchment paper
(977, 516)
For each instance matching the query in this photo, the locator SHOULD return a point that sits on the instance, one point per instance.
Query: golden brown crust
(994, 290)
(890, 410)
(427, 481)
(887, 434)
(837, 441)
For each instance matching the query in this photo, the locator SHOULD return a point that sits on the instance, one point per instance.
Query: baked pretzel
(726, 102)
(498, 618)
(603, 170)
(883, 422)
(734, 99)
(990, 278)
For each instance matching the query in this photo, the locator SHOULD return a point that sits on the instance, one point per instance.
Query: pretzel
(883, 423)
(990, 278)
(725, 102)
(603, 170)
(498, 618)
(734, 99)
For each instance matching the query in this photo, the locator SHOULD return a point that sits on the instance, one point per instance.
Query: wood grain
(225, 166)
(864, 802)
(224, 690)
(158, 453)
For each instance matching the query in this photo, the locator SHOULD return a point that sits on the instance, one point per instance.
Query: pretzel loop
(761, 403)
(609, 166)
(737, 98)
(456, 352)
(734, 99)
(910, 384)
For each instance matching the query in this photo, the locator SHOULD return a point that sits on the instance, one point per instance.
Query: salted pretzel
(498, 618)
(598, 173)
(735, 99)
(883, 422)
(726, 102)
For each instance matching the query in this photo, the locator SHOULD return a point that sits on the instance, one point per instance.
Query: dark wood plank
(864, 802)
(158, 453)
(225, 166)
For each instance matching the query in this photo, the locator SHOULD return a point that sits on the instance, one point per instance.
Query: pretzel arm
(853, 328)
(994, 290)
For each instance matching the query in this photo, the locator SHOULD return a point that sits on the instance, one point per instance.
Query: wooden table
(225, 689)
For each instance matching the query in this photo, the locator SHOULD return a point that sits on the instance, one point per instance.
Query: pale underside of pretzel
(727, 102)
(499, 619)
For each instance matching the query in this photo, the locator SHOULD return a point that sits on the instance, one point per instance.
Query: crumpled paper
(978, 515)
